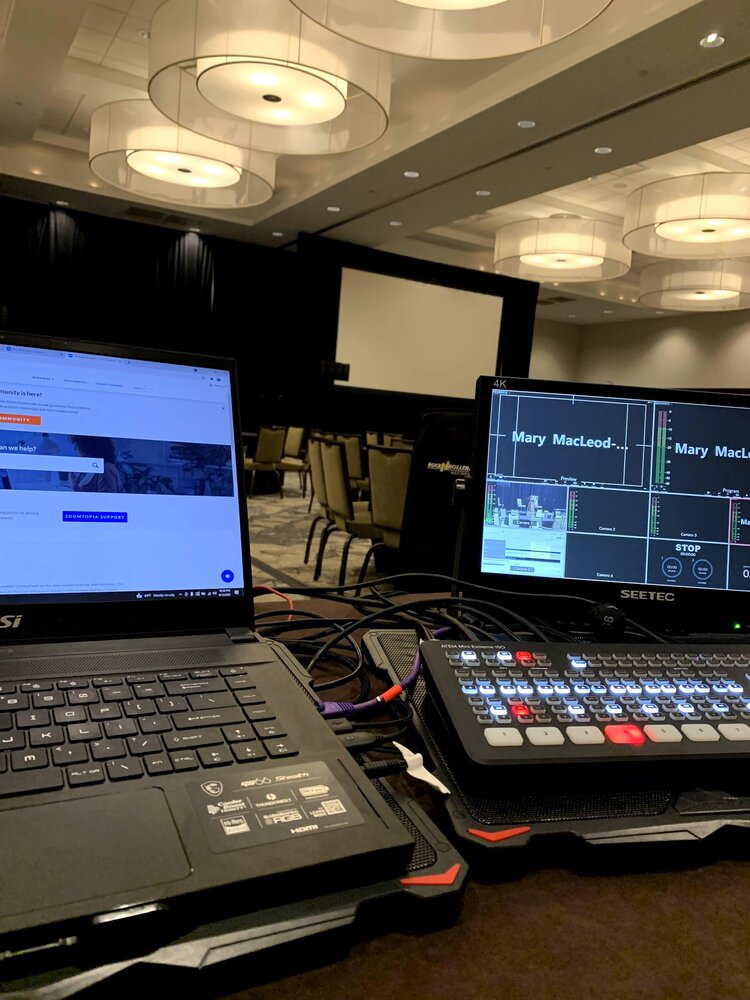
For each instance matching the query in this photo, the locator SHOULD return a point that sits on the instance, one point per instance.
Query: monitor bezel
(671, 608)
(95, 619)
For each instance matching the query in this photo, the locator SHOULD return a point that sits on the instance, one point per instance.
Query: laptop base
(563, 823)
(247, 949)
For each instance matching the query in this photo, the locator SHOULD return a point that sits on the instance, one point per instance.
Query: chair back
(372, 439)
(336, 479)
(389, 476)
(316, 471)
(294, 442)
(270, 445)
(353, 445)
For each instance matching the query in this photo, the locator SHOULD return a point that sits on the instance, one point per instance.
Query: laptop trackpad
(67, 852)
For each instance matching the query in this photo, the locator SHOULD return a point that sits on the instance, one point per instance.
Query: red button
(519, 709)
(631, 735)
(524, 657)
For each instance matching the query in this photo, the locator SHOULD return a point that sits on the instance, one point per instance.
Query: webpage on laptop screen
(117, 479)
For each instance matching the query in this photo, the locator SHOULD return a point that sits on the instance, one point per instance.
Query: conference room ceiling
(635, 80)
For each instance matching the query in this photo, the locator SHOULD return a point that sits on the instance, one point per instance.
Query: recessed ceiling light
(277, 234)
(659, 312)
(193, 229)
(526, 123)
(602, 293)
(395, 223)
(712, 41)
(571, 315)
(94, 184)
(411, 174)
(333, 208)
(144, 33)
(607, 312)
(603, 150)
(36, 171)
(62, 204)
(482, 194)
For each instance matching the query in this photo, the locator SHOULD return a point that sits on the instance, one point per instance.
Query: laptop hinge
(242, 635)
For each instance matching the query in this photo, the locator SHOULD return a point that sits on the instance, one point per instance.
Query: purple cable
(331, 709)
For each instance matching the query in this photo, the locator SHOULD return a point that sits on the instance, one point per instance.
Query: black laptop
(153, 751)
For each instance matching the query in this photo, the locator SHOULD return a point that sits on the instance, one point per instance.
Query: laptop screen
(118, 478)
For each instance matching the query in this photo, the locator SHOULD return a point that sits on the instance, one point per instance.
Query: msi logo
(212, 787)
(10, 621)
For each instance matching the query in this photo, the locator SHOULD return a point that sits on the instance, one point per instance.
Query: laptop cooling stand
(485, 819)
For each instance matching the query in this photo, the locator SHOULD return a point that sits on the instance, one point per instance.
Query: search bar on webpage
(50, 463)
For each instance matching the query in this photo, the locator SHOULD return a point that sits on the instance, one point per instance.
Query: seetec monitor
(631, 496)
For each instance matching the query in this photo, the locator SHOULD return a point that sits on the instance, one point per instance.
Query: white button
(503, 737)
(701, 734)
(664, 734)
(542, 736)
(736, 732)
(584, 734)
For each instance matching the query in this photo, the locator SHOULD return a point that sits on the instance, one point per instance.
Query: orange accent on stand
(499, 835)
(446, 878)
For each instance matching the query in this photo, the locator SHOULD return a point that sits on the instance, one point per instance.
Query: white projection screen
(407, 336)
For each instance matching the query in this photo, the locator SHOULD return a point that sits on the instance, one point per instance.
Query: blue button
(227, 576)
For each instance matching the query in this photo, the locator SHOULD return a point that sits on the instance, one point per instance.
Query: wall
(711, 351)
(554, 353)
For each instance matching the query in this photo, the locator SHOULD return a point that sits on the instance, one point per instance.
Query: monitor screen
(118, 478)
(609, 485)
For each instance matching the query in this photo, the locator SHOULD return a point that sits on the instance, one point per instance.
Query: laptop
(155, 754)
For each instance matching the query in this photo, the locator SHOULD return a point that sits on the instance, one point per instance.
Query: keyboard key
(215, 758)
(100, 682)
(584, 735)
(663, 734)
(259, 713)
(203, 672)
(70, 754)
(27, 760)
(144, 744)
(84, 697)
(196, 687)
(53, 699)
(193, 738)
(172, 704)
(134, 709)
(154, 690)
(239, 734)
(283, 748)
(68, 685)
(140, 679)
(248, 751)
(107, 749)
(121, 770)
(184, 760)
(737, 733)
(46, 737)
(252, 697)
(100, 713)
(240, 683)
(119, 693)
(45, 779)
(217, 717)
(545, 736)
(120, 727)
(221, 699)
(79, 734)
(12, 741)
(701, 733)
(155, 724)
(269, 730)
(503, 737)
(64, 716)
(27, 720)
(7, 688)
(13, 702)
(160, 764)
(36, 686)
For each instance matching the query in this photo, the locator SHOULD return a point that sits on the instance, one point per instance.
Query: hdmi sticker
(252, 806)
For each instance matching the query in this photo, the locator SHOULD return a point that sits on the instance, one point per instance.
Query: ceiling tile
(129, 29)
(85, 55)
(144, 8)
(125, 67)
(92, 41)
(121, 5)
(128, 52)
(102, 19)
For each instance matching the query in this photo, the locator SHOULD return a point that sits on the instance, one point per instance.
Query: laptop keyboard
(93, 730)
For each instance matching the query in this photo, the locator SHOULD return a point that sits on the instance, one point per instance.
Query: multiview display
(615, 489)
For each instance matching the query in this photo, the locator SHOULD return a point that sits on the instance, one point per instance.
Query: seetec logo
(10, 621)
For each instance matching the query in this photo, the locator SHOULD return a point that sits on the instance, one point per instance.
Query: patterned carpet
(278, 534)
